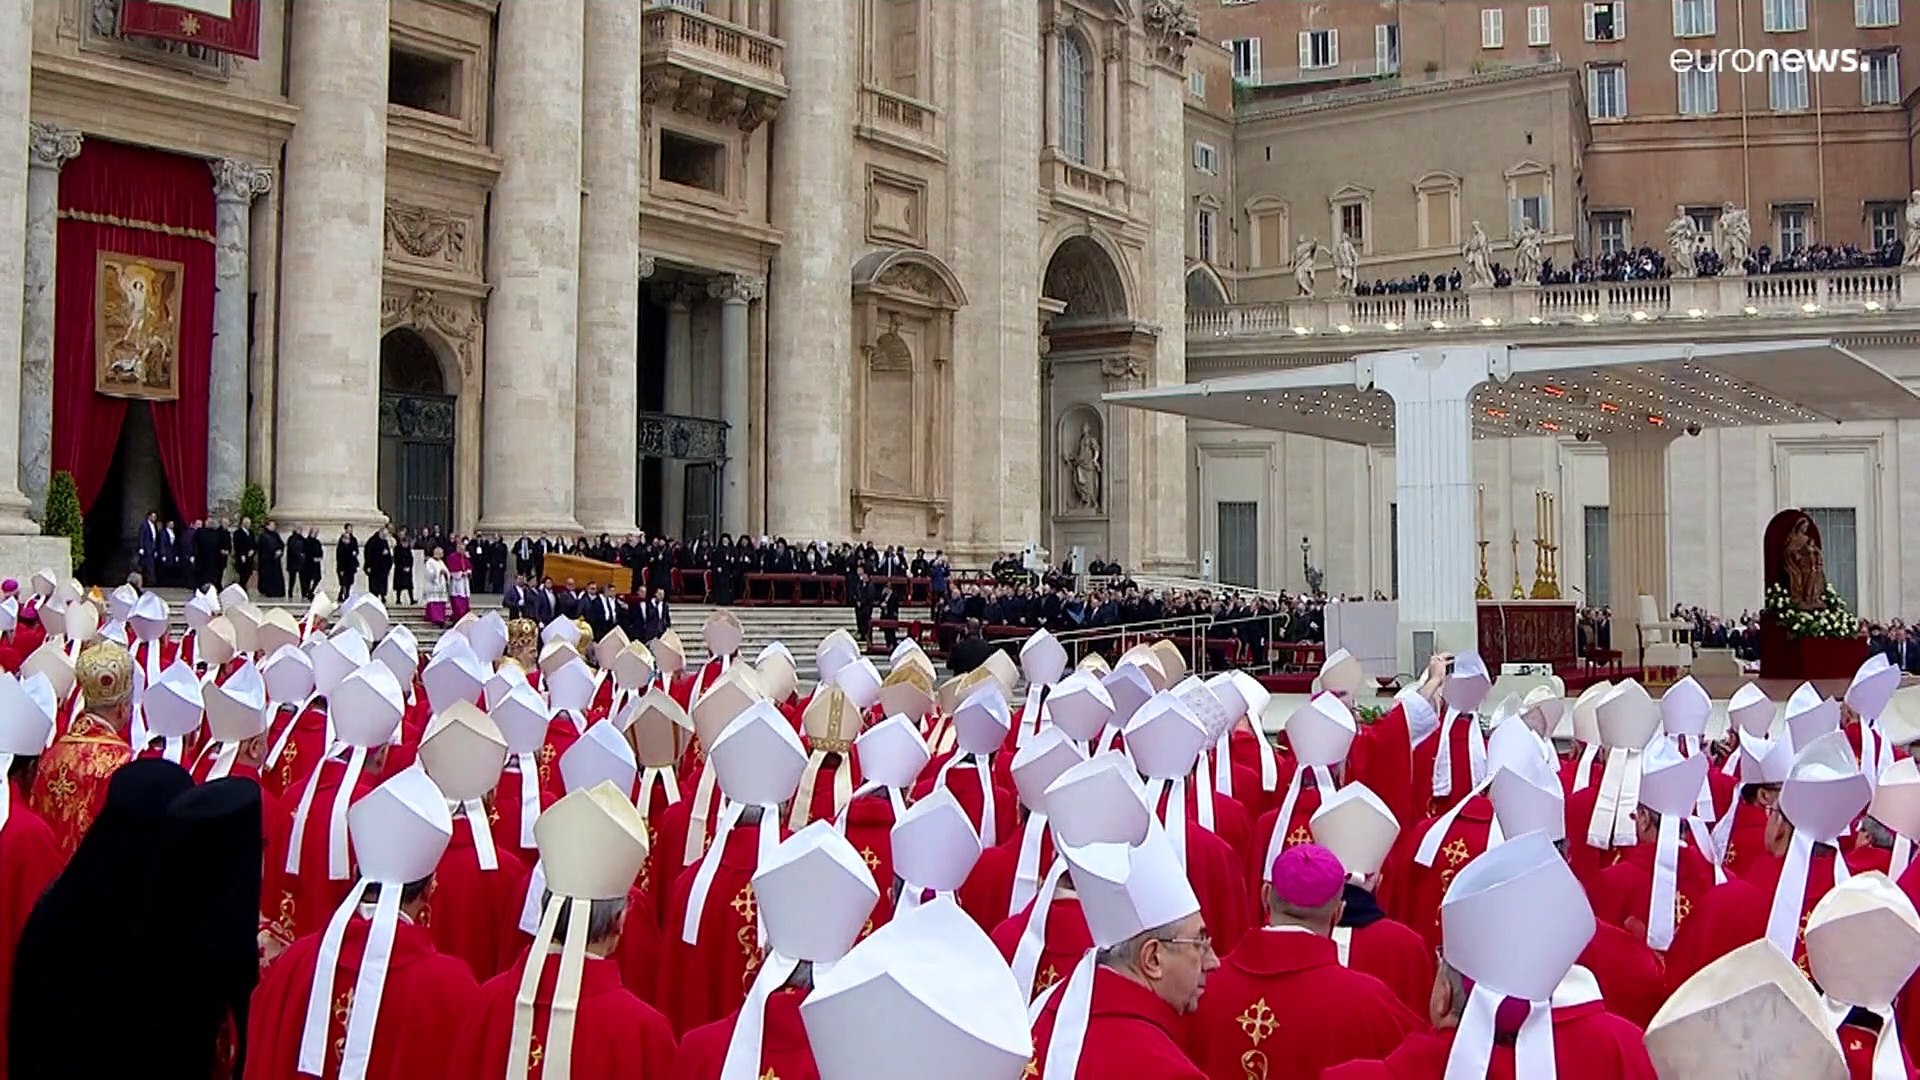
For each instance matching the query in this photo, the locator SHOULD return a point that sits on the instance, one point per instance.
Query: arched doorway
(416, 434)
(1204, 289)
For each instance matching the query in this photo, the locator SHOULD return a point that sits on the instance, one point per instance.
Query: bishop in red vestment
(1382, 759)
(1131, 1033)
(1064, 941)
(784, 1052)
(964, 781)
(1385, 948)
(29, 861)
(70, 784)
(616, 1036)
(300, 750)
(1282, 998)
(1589, 1043)
(472, 904)
(1411, 892)
(297, 904)
(702, 983)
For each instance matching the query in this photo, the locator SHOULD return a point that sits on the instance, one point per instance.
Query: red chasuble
(1131, 1033)
(784, 1052)
(1230, 820)
(1066, 940)
(504, 813)
(1858, 1044)
(70, 786)
(1281, 1002)
(616, 1036)
(987, 894)
(702, 983)
(964, 782)
(1731, 915)
(1631, 978)
(302, 750)
(1382, 758)
(1304, 806)
(29, 861)
(1420, 790)
(1412, 893)
(295, 905)
(426, 998)
(870, 831)
(1747, 842)
(666, 858)
(1622, 893)
(470, 906)
(1589, 1043)
(1243, 752)
(1214, 872)
(1388, 950)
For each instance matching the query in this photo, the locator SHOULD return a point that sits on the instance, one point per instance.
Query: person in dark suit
(346, 560)
(497, 562)
(546, 604)
(312, 554)
(403, 568)
(656, 617)
(379, 562)
(273, 582)
(168, 553)
(518, 599)
(970, 651)
(600, 609)
(243, 553)
(211, 543)
(148, 553)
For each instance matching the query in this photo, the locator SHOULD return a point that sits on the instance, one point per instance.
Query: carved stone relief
(427, 233)
(456, 319)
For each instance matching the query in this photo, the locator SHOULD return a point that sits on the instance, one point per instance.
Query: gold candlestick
(1482, 590)
(1519, 592)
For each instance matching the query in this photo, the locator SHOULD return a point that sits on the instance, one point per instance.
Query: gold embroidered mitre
(105, 673)
(522, 635)
(831, 721)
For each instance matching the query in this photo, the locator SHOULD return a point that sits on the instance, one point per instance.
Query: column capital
(239, 181)
(1435, 373)
(647, 266)
(50, 146)
(678, 294)
(737, 288)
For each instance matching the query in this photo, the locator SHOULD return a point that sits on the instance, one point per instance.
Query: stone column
(1111, 109)
(48, 148)
(679, 400)
(607, 393)
(810, 372)
(1432, 393)
(1161, 156)
(533, 316)
(1636, 529)
(333, 236)
(734, 292)
(1050, 45)
(235, 185)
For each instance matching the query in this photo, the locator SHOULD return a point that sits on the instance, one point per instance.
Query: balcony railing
(670, 27)
(1774, 295)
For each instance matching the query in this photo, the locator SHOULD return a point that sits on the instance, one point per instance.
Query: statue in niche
(1085, 469)
(1805, 565)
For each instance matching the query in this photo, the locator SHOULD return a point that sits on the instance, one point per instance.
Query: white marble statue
(1084, 465)
(1526, 255)
(1303, 267)
(1478, 252)
(1683, 243)
(1346, 267)
(1736, 236)
(1913, 230)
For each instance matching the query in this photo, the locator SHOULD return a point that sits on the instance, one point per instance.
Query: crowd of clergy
(258, 845)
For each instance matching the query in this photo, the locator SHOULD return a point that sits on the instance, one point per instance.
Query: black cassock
(272, 581)
(379, 564)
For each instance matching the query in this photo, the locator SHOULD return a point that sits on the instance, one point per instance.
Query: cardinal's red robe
(295, 905)
(870, 831)
(1622, 894)
(1130, 1033)
(300, 752)
(1747, 842)
(1858, 1044)
(29, 861)
(668, 856)
(1243, 752)
(1459, 760)
(470, 906)
(987, 894)
(1066, 939)
(689, 686)
(616, 1036)
(1281, 1002)
(504, 813)
(1382, 758)
(1589, 1043)
(70, 785)
(1412, 893)
(1387, 949)
(1230, 820)
(821, 801)
(1631, 976)
(1731, 915)
(426, 998)
(964, 781)
(1214, 872)
(784, 1051)
(1255, 860)
(708, 980)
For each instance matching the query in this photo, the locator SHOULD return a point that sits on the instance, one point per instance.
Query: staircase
(799, 628)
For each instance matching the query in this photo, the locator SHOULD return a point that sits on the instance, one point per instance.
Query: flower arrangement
(1834, 620)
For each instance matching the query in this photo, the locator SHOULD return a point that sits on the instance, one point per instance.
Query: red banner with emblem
(229, 26)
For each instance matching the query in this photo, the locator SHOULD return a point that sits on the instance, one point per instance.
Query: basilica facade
(847, 269)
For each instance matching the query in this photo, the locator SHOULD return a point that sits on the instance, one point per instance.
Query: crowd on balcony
(1823, 257)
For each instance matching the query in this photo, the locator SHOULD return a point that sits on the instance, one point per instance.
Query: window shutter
(1619, 20)
(1381, 54)
(1590, 9)
(1253, 51)
(1333, 47)
(1306, 49)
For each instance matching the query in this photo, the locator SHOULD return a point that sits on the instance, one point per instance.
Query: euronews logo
(1750, 61)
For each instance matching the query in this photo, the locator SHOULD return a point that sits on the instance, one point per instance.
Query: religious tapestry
(137, 326)
(229, 26)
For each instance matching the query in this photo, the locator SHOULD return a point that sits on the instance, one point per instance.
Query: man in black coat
(656, 617)
(518, 599)
(379, 563)
(346, 560)
(211, 543)
(970, 651)
(148, 552)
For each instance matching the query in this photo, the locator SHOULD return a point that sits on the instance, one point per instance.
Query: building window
(1594, 521)
(1840, 544)
(423, 82)
(1606, 21)
(1693, 18)
(1539, 26)
(1353, 223)
(1793, 229)
(1783, 16)
(1610, 233)
(1699, 92)
(1206, 158)
(1197, 83)
(1876, 12)
(1787, 90)
(1880, 79)
(1607, 92)
(1204, 227)
(1704, 219)
(1386, 48)
(1438, 210)
(1246, 59)
(1883, 221)
(1530, 210)
(1493, 28)
(1073, 99)
(1319, 49)
(693, 162)
(1239, 543)
(1270, 248)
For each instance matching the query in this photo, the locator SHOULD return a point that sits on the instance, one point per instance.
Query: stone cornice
(1297, 107)
(155, 108)
(441, 160)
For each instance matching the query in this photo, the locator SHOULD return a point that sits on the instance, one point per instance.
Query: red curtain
(132, 201)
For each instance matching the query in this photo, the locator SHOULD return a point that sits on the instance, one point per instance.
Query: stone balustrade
(713, 46)
(1761, 295)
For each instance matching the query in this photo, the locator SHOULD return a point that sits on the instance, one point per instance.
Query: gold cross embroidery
(1032, 1069)
(743, 904)
(1457, 851)
(1299, 836)
(769, 1075)
(873, 861)
(1682, 907)
(1257, 1022)
(535, 1053)
(62, 786)
(1048, 977)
